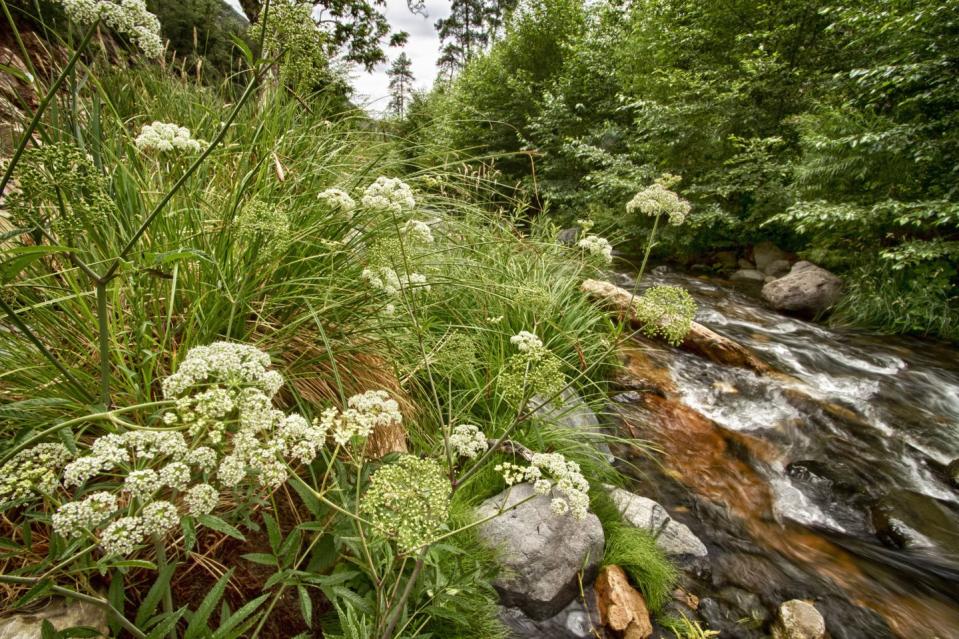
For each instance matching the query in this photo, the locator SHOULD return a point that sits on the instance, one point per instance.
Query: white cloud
(372, 89)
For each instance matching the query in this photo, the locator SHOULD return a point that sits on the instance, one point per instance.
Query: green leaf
(239, 617)
(261, 558)
(217, 524)
(23, 256)
(149, 604)
(39, 589)
(272, 531)
(167, 625)
(198, 623)
(117, 598)
(189, 533)
(47, 631)
(306, 606)
(306, 494)
(244, 49)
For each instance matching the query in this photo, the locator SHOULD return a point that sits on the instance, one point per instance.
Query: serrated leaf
(306, 606)
(261, 558)
(167, 625)
(215, 523)
(239, 617)
(272, 532)
(149, 604)
(198, 623)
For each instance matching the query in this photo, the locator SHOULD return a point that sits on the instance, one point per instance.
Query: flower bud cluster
(535, 370)
(408, 501)
(418, 231)
(32, 471)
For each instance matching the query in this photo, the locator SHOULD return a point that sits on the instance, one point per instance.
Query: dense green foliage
(827, 127)
(201, 30)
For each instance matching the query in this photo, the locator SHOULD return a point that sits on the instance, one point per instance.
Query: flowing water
(826, 480)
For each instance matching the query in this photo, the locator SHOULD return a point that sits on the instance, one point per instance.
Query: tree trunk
(252, 9)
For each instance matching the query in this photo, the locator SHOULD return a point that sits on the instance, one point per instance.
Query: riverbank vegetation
(827, 127)
(259, 370)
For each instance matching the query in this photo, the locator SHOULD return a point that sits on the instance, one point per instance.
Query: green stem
(7, 454)
(42, 107)
(160, 547)
(394, 615)
(104, 344)
(43, 349)
(73, 594)
(649, 248)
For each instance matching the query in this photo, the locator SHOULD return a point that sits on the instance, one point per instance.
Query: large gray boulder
(806, 289)
(61, 613)
(540, 553)
(674, 538)
(799, 620)
(568, 236)
(765, 253)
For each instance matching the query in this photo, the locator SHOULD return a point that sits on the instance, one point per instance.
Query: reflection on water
(830, 474)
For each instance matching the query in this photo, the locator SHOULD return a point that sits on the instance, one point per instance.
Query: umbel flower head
(598, 247)
(549, 472)
(657, 199)
(389, 194)
(408, 501)
(338, 199)
(468, 441)
(127, 17)
(164, 137)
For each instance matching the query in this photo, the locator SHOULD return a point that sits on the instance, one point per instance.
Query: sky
(372, 89)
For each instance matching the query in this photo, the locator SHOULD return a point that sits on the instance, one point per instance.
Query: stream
(824, 481)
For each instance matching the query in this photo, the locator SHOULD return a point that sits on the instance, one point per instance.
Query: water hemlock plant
(249, 354)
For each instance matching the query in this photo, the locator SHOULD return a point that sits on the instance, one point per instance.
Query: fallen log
(700, 340)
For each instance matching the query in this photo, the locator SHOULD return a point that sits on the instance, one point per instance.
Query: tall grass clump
(258, 369)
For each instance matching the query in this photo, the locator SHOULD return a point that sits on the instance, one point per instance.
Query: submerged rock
(806, 289)
(674, 538)
(622, 609)
(799, 620)
(748, 275)
(952, 472)
(575, 621)
(541, 553)
(61, 613)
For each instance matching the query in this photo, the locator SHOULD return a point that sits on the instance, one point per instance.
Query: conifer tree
(401, 84)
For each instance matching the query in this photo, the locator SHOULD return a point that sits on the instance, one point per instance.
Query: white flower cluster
(364, 413)
(389, 194)
(658, 199)
(338, 199)
(129, 17)
(75, 516)
(165, 136)
(526, 341)
(597, 246)
(549, 471)
(34, 470)
(468, 441)
(418, 231)
(388, 281)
